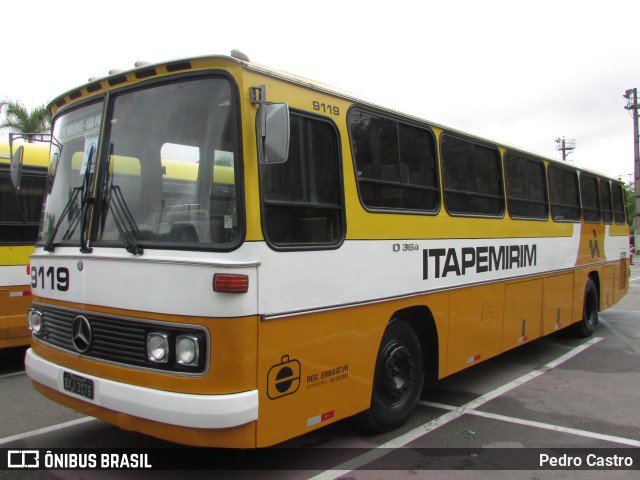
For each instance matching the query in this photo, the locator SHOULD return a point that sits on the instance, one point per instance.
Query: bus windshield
(73, 132)
(166, 170)
(20, 209)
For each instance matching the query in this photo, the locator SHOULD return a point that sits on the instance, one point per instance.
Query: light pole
(565, 146)
(632, 106)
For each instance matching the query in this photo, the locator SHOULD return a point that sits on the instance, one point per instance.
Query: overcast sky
(522, 72)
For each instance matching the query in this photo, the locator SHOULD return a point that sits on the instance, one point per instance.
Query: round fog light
(187, 350)
(35, 321)
(158, 347)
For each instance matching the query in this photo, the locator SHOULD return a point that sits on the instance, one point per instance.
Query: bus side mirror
(274, 129)
(16, 167)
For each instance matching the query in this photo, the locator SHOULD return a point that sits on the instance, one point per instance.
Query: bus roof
(185, 64)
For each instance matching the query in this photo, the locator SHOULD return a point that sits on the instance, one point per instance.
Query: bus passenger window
(619, 208)
(605, 201)
(395, 163)
(526, 187)
(302, 198)
(472, 178)
(590, 198)
(564, 194)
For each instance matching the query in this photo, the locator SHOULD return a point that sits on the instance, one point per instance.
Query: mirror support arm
(259, 97)
(272, 127)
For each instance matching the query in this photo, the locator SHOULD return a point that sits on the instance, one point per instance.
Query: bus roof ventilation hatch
(235, 53)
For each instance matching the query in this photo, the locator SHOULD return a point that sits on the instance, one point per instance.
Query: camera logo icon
(23, 459)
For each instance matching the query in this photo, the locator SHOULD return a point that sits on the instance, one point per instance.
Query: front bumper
(181, 409)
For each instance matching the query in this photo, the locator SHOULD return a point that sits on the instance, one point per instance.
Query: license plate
(79, 385)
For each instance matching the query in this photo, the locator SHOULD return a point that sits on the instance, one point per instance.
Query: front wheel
(398, 379)
(587, 325)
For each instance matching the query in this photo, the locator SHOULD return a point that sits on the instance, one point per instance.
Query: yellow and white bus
(233, 256)
(19, 221)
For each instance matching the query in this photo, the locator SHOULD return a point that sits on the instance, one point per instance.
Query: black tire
(589, 322)
(398, 379)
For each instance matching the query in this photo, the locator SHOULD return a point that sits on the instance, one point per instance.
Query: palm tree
(18, 120)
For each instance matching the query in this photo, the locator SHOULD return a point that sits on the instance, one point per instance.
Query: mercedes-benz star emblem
(81, 335)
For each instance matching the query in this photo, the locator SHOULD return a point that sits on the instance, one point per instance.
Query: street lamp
(566, 146)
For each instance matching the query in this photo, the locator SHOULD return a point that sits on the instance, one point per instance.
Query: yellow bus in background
(232, 256)
(19, 221)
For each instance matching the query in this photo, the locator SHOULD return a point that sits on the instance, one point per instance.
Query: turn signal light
(230, 283)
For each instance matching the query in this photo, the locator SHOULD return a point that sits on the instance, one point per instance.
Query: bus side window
(605, 201)
(526, 187)
(564, 194)
(590, 198)
(619, 208)
(302, 198)
(395, 163)
(473, 182)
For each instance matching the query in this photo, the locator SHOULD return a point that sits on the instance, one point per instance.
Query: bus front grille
(119, 340)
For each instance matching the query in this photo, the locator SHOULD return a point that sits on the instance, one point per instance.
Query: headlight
(34, 318)
(187, 350)
(158, 347)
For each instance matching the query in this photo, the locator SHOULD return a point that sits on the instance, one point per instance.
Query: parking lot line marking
(14, 374)
(546, 426)
(41, 431)
(425, 428)
(556, 428)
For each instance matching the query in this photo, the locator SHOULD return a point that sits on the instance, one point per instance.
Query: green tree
(631, 207)
(19, 120)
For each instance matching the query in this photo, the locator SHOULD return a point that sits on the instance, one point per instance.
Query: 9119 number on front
(50, 277)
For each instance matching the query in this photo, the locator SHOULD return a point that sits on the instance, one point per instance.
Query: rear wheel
(587, 325)
(398, 379)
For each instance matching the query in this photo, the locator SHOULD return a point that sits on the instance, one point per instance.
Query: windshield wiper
(123, 218)
(113, 201)
(78, 214)
(48, 246)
